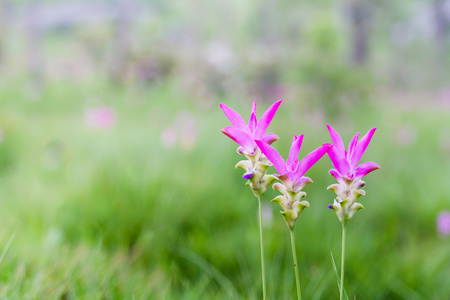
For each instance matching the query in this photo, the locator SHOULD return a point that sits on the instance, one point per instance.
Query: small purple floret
(330, 206)
(248, 175)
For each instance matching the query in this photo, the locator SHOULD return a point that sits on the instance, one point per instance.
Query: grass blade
(338, 279)
(212, 271)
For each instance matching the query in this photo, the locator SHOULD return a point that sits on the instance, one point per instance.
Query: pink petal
(337, 141)
(352, 145)
(302, 181)
(266, 119)
(269, 138)
(253, 121)
(336, 175)
(361, 147)
(273, 156)
(292, 160)
(310, 159)
(234, 117)
(240, 137)
(286, 179)
(365, 168)
(339, 162)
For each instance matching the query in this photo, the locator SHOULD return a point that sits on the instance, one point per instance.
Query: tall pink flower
(348, 173)
(245, 134)
(256, 164)
(291, 176)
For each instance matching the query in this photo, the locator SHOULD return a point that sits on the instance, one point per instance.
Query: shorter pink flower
(291, 177)
(443, 222)
(245, 134)
(345, 163)
(100, 117)
(292, 171)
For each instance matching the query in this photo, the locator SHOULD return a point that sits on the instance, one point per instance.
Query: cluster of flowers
(255, 145)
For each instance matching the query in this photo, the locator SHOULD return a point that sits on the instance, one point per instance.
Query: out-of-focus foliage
(329, 80)
(149, 206)
(128, 207)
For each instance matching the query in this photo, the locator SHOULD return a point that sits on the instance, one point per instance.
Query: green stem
(294, 255)
(342, 262)
(263, 271)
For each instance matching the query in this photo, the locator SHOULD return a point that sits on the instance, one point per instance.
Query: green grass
(112, 214)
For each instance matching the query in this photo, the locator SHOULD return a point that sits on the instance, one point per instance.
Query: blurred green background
(116, 182)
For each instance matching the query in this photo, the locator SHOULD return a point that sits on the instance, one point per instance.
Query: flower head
(292, 171)
(348, 173)
(291, 176)
(345, 163)
(245, 134)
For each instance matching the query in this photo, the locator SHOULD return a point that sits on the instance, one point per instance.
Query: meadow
(152, 208)
(148, 204)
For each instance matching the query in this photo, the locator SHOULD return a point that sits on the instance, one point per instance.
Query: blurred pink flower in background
(100, 117)
(406, 135)
(169, 137)
(183, 130)
(443, 222)
(187, 127)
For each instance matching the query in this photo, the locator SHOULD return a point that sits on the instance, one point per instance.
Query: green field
(114, 214)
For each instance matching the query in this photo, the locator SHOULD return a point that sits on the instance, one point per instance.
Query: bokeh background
(116, 182)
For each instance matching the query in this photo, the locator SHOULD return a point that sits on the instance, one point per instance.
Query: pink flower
(100, 117)
(345, 163)
(245, 134)
(169, 137)
(292, 171)
(443, 223)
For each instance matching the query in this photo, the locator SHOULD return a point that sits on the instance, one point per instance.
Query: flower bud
(347, 192)
(255, 168)
(290, 202)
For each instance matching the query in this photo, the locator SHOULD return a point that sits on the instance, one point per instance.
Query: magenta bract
(292, 170)
(245, 134)
(346, 162)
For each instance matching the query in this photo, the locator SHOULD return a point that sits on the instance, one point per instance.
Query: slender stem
(342, 262)
(263, 271)
(294, 255)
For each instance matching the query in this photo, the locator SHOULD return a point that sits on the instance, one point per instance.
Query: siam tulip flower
(348, 189)
(291, 176)
(292, 183)
(256, 164)
(244, 134)
(348, 173)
